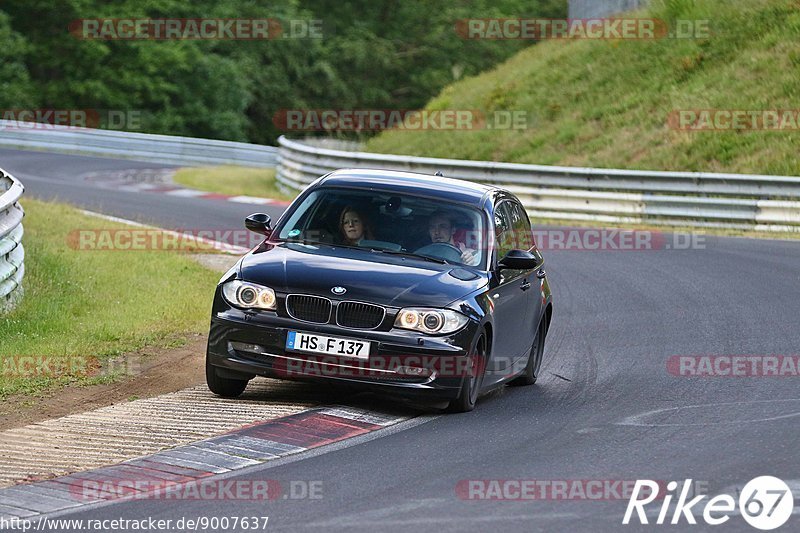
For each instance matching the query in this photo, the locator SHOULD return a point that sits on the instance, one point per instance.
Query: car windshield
(430, 229)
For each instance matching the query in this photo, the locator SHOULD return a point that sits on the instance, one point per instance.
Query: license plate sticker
(323, 344)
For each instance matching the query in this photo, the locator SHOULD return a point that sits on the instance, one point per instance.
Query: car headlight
(430, 320)
(249, 295)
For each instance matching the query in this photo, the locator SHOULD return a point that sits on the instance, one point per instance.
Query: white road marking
(640, 419)
(187, 193)
(251, 200)
(215, 245)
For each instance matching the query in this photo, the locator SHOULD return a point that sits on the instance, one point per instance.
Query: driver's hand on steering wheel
(468, 257)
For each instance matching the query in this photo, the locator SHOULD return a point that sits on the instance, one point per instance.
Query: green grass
(232, 180)
(88, 303)
(607, 103)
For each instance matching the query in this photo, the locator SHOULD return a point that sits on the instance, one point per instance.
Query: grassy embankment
(607, 103)
(90, 305)
(232, 180)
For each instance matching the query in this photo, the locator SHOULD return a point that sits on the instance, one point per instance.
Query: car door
(532, 296)
(509, 299)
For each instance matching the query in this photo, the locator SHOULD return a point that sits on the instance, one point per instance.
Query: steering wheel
(441, 250)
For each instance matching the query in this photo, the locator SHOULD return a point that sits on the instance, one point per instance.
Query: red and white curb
(190, 464)
(159, 181)
(172, 190)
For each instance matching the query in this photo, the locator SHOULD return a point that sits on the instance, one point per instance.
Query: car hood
(367, 276)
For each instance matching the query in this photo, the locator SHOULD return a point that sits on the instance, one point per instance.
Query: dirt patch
(160, 370)
(155, 371)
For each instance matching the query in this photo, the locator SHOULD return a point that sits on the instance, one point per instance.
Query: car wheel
(535, 356)
(468, 395)
(225, 387)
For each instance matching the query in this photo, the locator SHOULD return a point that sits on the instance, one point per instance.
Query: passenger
(441, 229)
(353, 227)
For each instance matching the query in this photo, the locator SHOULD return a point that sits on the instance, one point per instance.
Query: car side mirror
(259, 223)
(521, 260)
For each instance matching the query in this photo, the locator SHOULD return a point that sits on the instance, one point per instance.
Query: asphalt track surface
(619, 317)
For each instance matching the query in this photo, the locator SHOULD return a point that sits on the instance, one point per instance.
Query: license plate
(311, 343)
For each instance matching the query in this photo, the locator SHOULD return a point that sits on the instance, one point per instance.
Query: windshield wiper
(411, 254)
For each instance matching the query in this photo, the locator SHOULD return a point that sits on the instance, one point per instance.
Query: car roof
(410, 182)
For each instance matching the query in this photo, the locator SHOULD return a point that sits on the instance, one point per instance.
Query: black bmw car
(392, 281)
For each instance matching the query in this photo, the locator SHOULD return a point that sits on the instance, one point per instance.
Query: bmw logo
(338, 290)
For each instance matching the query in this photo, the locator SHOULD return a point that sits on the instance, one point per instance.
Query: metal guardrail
(12, 254)
(138, 146)
(736, 201)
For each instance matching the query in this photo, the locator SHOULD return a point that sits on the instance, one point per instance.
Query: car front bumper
(243, 345)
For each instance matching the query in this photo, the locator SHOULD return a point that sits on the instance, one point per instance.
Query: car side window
(504, 230)
(522, 227)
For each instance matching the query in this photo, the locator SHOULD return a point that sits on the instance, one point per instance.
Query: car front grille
(359, 315)
(309, 308)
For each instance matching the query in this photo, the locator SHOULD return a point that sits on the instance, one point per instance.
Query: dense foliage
(373, 54)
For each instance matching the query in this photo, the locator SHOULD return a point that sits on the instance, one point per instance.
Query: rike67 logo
(765, 503)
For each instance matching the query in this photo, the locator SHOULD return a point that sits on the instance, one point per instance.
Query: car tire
(470, 388)
(535, 356)
(225, 387)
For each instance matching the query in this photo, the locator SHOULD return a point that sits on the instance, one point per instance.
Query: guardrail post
(12, 254)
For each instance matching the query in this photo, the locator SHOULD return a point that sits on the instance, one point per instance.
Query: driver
(353, 226)
(441, 229)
